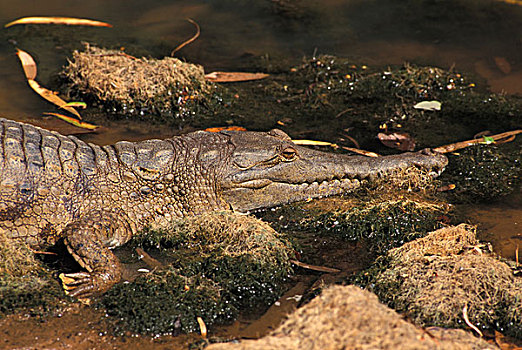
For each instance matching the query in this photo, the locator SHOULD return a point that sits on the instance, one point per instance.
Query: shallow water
(480, 37)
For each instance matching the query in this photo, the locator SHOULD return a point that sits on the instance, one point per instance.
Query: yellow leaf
(314, 143)
(52, 97)
(28, 64)
(76, 104)
(229, 77)
(74, 121)
(58, 20)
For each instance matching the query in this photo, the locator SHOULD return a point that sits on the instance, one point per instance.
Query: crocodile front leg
(89, 241)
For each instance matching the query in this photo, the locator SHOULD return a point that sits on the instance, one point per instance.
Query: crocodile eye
(289, 153)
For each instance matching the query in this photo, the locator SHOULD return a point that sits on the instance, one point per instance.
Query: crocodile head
(266, 169)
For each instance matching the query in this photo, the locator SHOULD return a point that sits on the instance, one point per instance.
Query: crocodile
(95, 198)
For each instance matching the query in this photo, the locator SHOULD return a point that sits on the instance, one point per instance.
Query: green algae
(218, 265)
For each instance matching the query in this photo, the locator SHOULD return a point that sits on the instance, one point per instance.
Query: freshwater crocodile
(96, 198)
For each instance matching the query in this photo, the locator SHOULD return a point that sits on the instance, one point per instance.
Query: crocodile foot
(82, 285)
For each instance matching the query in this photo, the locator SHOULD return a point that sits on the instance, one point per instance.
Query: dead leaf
(505, 343)
(202, 327)
(428, 105)
(400, 141)
(74, 121)
(58, 20)
(51, 97)
(28, 64)
(230, 128)
(82, 105)
(230, 77)
(503, 65)
(314, 143)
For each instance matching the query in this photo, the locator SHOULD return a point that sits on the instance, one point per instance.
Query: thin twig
(314, 267)
(463, 144)
(351, 139)
(149, 260)
(360, 151)
(466, 319)
(44, 253)
(183, 44)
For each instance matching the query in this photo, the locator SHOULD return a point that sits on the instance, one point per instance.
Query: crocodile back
(39, 169)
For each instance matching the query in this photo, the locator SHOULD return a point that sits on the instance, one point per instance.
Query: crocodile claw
(82, 285)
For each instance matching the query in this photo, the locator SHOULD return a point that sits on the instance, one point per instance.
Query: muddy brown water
(480, 37)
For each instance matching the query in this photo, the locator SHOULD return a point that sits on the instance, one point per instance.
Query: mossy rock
(24, 283)
(166, 302)
(346, 317)
(166, 89)
(218, 264)
(383, 225)
(35, 294)
(434, 279)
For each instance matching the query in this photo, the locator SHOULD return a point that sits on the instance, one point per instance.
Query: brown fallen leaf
(52, 97)
(398, 140)
(505, 343)
(230, 128)
(28, 64)
(74, 121)
(58, 20)
(502, 64)
(230, 77)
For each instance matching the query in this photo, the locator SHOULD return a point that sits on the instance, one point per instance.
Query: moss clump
(346, 317)
(37, 294)
(166, 302)
(483, 173)
(383, 225)
(227, 261)
(124, 84)
(433, 279)
(24, 283)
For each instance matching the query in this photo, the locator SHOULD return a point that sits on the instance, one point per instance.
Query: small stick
(44, 253)
(516, 257)
(183, 44)
(360, 151)
(466, 319)
(149, 260)
(463, 144)
(314, 267)
(351, 139)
